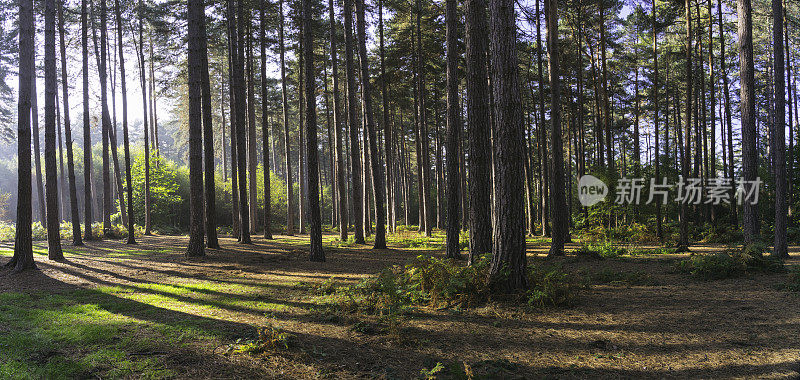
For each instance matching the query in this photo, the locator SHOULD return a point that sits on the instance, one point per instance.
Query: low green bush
(733, 262)
(600, 250)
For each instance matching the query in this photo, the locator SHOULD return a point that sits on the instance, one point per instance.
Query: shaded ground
(113, 310)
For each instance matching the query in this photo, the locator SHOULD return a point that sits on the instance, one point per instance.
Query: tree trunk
(289, 185)
(51, 170)
(370, 136)
(40, 191)
(105, 117)
(236, 229)
(781, 210)
(558, 205)
(87, 136)
(426, 170)
(748, 119)
(239, 87)
(728, 114)
(352, 124)
(208, 136)
(315, 225)
(683, 242)
(453, 248)
(73, 197)
(265, 123)
(508, 268)
(145, 130)
(387, 132)
(195, 15)
(337, 129)
(125, 137)
(656, 96)
(543, 156)
(23, 242)
(252, 155)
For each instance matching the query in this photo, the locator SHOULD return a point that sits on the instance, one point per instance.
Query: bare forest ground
(117, 311)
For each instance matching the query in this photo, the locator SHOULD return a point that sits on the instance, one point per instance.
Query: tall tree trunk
(370, 136)
(728, 113)
(453, 135)
(125, 137)
(337, 129)
(195, 15)
(544, 161)
(234, 135)
(105, 117)
(51, 171)
(145, 130)
(265, 122)
(315, 225)
(23, 241)
(212, 240)
(656, 96)
(683, 242)
(480, 225)
(559, 211)
(241, 148)
(781, 210)
(748, 119)
(508, 267)
(605, 95)
(289, 185)
(426, 167)
(87, 136)
(352, 124)
(40, 191)
(387, 132)
(252, 155)
(73, 196)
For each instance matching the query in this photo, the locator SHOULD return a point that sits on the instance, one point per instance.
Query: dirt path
(664, 325)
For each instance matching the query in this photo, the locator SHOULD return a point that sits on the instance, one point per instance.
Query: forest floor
(145, 311)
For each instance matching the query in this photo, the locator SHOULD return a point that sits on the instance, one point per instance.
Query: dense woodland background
(610, 88)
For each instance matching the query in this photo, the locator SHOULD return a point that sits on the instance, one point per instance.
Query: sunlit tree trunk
(208, 137)
(748, 119)
(87, 136)
(23, 241)
(508, 267)
(265, 122)
(287, 153)
(195, 15)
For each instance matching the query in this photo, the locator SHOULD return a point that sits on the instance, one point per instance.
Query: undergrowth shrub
(732, 262)
(600, 250)
(445, 283)
(270, 338)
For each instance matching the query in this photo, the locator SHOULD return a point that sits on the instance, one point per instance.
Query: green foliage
(600, 250)
(5, 212)
(550, 286)
(169, 191)
(730, 263)
(270, 338)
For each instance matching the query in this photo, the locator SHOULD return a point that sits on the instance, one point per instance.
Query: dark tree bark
(509, 234)
(378, 185)
(212, 240)
(558, 205)
(286, 139)
(87, 137)
(337, 129)
(241, 128)
(480, 225)
(145, 130)
(231, 23)
(51, 170)
(125, 137)
(387, 132)
(423, 130)
(453, 135)
(23, 241)
(315, 222)
(544, 161)
(779, 139)
(40, 191)
(73, 196)
(105, 117)
(748, 118)
(683, 242)
(728, 113)
(265, 122)
(656, 96)
(195, 15)
(352, 124)
(252, 156)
